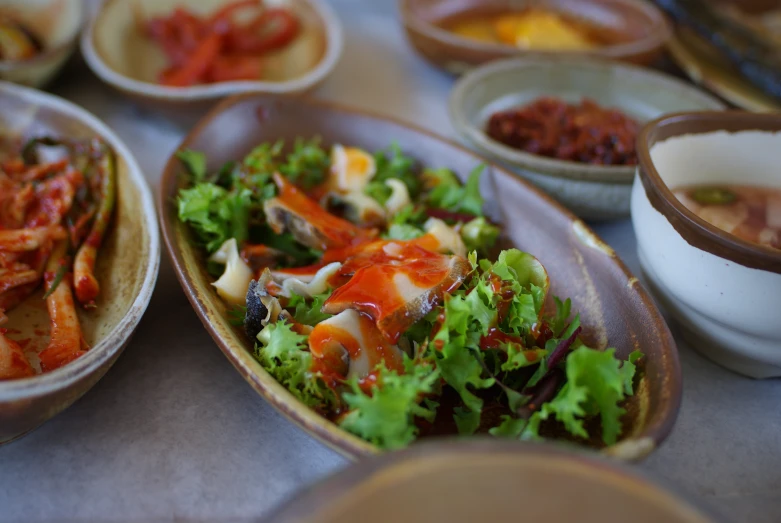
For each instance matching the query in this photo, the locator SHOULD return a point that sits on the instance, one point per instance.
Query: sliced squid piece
(399, 197)
(396, 293)
(317, 284)
(232, 285)
(258, 257)
(363, 209)
(349, 345)
(352, 168)
(449, 240)
(262, 307)
(13, 362)
(311, 225)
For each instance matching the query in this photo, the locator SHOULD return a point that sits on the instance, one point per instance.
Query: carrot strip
(66, 343)
(247, 40)
(13, 362)
(197, 64)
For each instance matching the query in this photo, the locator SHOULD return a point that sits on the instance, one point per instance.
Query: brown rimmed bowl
(118, 52)
(57, 23)
(489, 480)
(638, 28)
(725, 292)
(610, 300)
(127, 266)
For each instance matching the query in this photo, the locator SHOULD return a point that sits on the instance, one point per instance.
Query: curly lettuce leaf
(459, 358)
(386, 415)
(393, 163)
(448, 193)
(596, 385)
(285, 355)
(194, 162)
(479, 234)
(308, 164)
(215, 214)
(264, 158)
(308, 312)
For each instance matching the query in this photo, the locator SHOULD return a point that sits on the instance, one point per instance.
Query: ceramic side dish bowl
(126, 268)
(590, 191)
(640, 29)
(122, 56)
(57, 24)
(462, 482)
(608, 298)
(724, 291)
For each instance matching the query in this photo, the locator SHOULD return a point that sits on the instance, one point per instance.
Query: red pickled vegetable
(217, 48)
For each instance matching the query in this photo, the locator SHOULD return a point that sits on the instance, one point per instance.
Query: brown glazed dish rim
(660, 34)
(333, 490)
(696, 231)
(634, 449)
(50, 52)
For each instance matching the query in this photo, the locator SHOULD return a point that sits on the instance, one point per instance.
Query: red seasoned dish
(584, 132)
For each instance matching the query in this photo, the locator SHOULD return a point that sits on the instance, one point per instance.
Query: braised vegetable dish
(750, 213)
(535, 28)
(376, 293)
(17, 42)
(219, 47)
(56, 201)
(583, 132)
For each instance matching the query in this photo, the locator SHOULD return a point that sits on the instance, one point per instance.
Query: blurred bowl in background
(56, 24)
(590, 191)
(119, 53)
(488, 480)
(638, 30)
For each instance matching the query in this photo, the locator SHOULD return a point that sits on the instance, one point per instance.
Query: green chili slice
(713, 196)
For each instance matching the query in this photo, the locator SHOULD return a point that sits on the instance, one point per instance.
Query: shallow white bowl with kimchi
(72, 198)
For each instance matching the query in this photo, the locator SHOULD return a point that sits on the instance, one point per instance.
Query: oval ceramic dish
(640, 27)
(488, 480)
(57, 23)
(118, 52)
(591, 191)
(127, 275)
(725, 292)
(611, 301)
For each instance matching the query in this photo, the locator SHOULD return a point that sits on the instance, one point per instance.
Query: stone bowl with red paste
(568, 124)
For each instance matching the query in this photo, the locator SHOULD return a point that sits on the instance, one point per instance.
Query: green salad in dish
(376, 292)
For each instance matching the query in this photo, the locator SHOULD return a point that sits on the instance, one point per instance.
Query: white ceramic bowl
(57, 24)
(724, 292)
(124, 58)
(590, 191)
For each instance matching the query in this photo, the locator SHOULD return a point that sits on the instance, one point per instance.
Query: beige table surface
(174, 433)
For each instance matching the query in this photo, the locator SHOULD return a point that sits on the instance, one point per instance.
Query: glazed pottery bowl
(591, 191)
(638, 28)
(127, 265)
(611, 303)
(56, 23)
(488, 480)
(116, 49)
(725, 292)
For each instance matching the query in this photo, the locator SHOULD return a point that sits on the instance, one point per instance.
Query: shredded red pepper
(217, 48)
